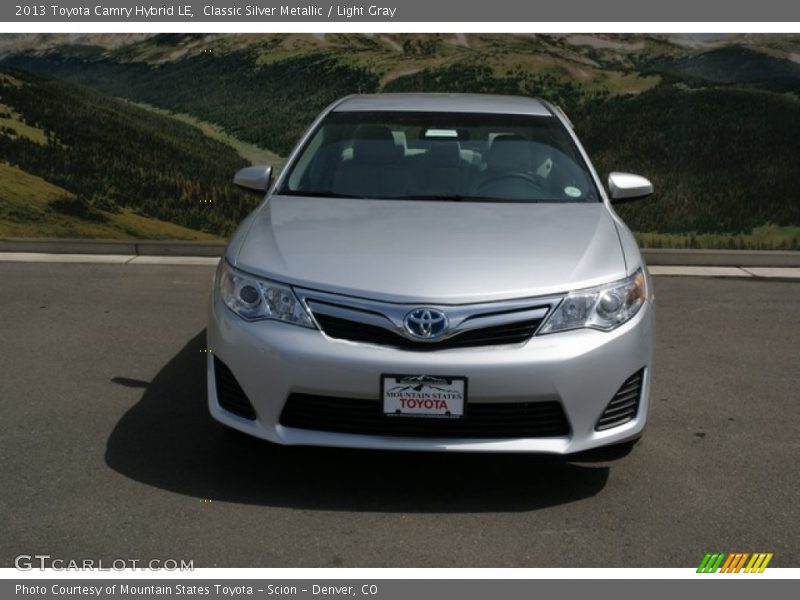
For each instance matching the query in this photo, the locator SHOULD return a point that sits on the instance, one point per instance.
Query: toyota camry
(434, 272)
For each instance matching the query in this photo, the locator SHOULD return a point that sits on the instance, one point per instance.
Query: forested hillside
(715, 128)
(110, 155)
(269, 105)
(731, 64)
(722, 159)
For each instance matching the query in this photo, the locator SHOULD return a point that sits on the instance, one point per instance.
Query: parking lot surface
(108, 452)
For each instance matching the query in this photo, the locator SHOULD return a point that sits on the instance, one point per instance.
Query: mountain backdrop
(112, 135)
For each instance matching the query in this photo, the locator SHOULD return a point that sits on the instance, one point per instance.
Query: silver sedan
(435, 272)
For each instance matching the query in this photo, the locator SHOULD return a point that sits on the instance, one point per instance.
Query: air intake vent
(491, 420)
(509, 333)
(230, 394)
(624, 405)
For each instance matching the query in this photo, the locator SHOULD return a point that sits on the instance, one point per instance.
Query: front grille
(354, 331)
(483, 420)
(624, 405)
(230, 394)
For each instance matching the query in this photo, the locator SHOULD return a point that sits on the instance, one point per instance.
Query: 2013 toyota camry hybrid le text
(434, 272)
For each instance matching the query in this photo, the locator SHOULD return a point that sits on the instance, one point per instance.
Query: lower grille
(624, 405)
(345, 329)
(230, 394)
(483, 420)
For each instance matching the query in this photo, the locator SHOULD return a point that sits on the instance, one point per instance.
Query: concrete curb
(721, 258)
(653, 256)
(121, 247)
(773, 273)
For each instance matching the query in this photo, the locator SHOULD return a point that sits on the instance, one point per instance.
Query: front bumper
(582, 369)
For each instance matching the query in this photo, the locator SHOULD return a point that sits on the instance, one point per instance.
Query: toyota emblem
(425, 323)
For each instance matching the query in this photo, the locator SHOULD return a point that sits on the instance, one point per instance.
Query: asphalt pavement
(107, 451)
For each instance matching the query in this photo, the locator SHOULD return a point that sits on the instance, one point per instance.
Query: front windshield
(441, 156)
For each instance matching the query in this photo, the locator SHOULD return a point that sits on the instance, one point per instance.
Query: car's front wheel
(606, 453)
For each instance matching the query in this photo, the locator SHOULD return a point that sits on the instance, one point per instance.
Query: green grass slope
(31, 207)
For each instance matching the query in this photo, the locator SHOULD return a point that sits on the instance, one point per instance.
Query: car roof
(466, 103)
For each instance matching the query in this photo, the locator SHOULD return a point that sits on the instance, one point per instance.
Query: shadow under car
(168, 440)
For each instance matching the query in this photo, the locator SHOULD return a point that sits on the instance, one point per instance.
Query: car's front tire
(606, 453)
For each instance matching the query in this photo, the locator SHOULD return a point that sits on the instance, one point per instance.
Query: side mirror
(256, 178)
(625, 187)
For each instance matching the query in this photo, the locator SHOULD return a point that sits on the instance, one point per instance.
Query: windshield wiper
(421, 197)
(445, 197)
(319, 194)
(449, 197)
(460, 198)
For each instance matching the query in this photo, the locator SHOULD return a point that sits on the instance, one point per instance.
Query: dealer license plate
(424, 396)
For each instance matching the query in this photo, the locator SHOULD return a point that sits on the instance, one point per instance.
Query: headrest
(510, 153)
(444, 154)
(374, 144)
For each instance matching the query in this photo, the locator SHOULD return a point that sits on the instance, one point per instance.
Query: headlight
(255, 299)
(605, 307)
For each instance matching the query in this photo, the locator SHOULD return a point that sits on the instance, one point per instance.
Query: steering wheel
(496, 179)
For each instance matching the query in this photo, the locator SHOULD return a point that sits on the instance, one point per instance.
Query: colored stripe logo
(736, 562)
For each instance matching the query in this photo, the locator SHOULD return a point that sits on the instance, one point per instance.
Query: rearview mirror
(625, 187)
(255, 178)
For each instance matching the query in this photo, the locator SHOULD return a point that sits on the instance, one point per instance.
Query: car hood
(434, 252)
